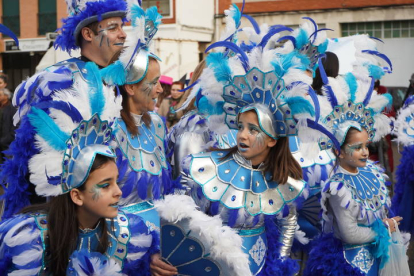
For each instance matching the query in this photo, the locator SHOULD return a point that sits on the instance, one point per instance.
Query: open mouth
(114, 205)
(363, 160)
(243, 147)
(119, 44)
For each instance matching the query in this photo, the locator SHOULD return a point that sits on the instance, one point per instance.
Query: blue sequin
(122, 218)
(233, 198)
(152, 163)
(201, 170)
(120, 250)
(271, 202)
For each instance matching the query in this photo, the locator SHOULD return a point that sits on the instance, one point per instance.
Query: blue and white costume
(355, 240)
(246, 198)
(67, 142)
(38, 91)
(145, 174)
(24, 247)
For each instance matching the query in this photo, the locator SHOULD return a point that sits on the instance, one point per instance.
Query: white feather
(25, 272)
(142, 240)
(19, 234)
(28, 256)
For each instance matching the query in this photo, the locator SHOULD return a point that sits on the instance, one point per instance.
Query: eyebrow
(253, 125)
(107, 179)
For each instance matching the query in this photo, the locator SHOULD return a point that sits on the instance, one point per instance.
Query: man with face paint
(96, 28)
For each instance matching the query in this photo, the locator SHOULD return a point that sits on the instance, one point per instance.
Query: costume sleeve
(142, 244)
(21, 246)
(92, 263)
(346, 220)
(287, 231)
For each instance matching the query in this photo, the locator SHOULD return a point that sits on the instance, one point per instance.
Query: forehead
(153, 70)
(249, 117)
(358, 137)
(110, 21)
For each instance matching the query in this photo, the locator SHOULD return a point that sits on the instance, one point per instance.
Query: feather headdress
(132, 64)
(404, 125)
(348, 102)
(70, 131)
(82, 13)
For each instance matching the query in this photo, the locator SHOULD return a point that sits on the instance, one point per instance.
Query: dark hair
(280, 161)
(331, 65)
(4, 77)
(63, 225)
(93, 27)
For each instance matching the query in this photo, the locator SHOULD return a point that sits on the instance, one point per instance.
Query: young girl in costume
(80, 230)
(355, 201)
(253, 185)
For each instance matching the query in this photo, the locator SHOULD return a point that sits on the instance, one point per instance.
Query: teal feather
(136, 12)
(114, 73)
(236, 15)
(322, 47)
(375, 71)
(219, 63)
(352, 84)
(382, 242)
(299, 105)
(96, 96)
(301, 39)
(153, 15)
(47, 129)
(390, 100)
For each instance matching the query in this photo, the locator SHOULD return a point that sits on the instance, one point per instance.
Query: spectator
(410, 89)
(166, 83)
(168, 108)
(6, 121)
(4, 79)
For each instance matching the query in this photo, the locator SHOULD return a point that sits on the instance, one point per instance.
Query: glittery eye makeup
(350, 149)
(148, 86)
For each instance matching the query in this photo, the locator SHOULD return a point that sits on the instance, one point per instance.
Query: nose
(159, 88)
(365, 151)
(117, 191)
(122, 34)
(242, 134)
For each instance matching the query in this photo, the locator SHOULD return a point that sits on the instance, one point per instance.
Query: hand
(392, 222)
(159, 268)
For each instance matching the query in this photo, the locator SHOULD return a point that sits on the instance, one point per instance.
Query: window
(11, 17)
(164, 6)
(384, 29)
(47, 16)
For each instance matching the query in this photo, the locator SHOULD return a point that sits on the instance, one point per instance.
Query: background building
(189, 26)
(390, 20)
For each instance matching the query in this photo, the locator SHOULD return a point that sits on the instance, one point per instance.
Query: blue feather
(378, 54)
(315, 34)
(14, 170)
(288, 37)
(236, 49)
(323, 47)
(315, 26)
(96, 96)
(237, 15)
(253, 22)
(382, 242)
(328, 90)
(369, 94)
(156, 186)
(320, 128)
(114, 73)
(301, 39)
(271, 33)
(375, 71)
(220, 66)
(129, 184)
(142, 184)
(152, 14)
(214, 208)
(8, 32)
(136, 12)
(300, 105)
(352, 84)
(233, 214)
(47, 129)
(65, 107)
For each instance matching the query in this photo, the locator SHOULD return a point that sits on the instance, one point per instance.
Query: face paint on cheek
(96, 191)
(259, 142)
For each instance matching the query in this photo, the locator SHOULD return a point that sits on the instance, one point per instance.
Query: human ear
(271, 143)
(76, 197)
(86, 34)
(129, 89)
(339, 153)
